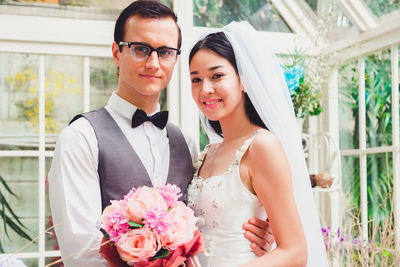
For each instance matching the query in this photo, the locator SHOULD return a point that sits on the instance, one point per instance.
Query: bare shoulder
(264, 143)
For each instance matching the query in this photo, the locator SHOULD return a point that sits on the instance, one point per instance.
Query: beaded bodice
(223, 203)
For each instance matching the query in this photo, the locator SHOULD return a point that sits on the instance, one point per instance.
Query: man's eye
(165, 52)
(142, 49)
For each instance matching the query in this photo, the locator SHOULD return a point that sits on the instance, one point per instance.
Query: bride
(254, 164)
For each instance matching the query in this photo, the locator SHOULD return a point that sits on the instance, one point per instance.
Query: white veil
(264, 83)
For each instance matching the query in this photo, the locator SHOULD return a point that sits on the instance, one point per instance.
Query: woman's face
(216, 87)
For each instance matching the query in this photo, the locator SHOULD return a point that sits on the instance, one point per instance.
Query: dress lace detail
(222, 203)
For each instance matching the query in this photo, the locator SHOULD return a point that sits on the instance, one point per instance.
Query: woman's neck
(237, 126)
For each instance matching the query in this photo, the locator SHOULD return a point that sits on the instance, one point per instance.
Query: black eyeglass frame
(129, 44)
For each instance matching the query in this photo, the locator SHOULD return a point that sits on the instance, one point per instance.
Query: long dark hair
(218, 43)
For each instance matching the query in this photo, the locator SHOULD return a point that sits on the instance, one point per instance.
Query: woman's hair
(218, 43)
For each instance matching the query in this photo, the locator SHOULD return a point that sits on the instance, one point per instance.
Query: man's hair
(145, 9)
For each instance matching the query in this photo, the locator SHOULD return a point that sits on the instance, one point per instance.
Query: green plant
(10, 219)
(218, 13)
(346, 245)
(378, 130)
(305, 93)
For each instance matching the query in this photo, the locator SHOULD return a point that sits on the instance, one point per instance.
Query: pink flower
(182, 225)
(113, 221)
(170, 193)
(155, 220)
(144, 198)
(136, 245)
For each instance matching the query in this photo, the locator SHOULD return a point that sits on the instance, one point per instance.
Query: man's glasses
(142, 51)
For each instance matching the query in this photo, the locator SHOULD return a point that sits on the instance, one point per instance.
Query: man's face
(140, 80)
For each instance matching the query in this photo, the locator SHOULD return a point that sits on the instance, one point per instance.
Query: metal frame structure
(59, 36)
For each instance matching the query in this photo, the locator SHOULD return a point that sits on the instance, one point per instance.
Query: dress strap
(200, 159)
(239, 153)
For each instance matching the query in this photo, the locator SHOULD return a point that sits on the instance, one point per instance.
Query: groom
(102, 154)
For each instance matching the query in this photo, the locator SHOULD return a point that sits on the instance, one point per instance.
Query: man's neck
(147, 104)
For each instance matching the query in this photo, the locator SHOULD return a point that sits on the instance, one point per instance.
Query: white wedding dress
(222, 203)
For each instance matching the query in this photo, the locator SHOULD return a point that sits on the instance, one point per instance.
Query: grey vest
(120, 168)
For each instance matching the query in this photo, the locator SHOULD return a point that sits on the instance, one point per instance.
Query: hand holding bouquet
(150, 227)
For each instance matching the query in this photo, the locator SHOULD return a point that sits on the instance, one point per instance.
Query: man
(101, 155)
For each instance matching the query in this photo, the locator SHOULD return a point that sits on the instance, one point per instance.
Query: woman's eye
(217, 75)
(195, 80)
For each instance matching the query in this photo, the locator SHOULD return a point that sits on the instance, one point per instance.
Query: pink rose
(145, 198)
(136, 245)
(182, 225)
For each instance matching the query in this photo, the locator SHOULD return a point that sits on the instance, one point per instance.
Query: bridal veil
(264, 82)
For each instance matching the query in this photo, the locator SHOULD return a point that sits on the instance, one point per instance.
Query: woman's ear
(241, 87)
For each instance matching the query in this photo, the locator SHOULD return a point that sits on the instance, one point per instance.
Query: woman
(255, 164)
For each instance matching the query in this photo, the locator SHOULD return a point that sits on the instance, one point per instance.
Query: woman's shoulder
(264, 144)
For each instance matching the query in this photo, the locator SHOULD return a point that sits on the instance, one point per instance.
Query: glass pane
(380, 185)
(351, 179)
(203, 137)
(51, 240)
(88, 9)
(53, 259)
(103, 81)
(399, 90)
(20, 174)
(260, 13)
(382, 7)
(63, 92)
(348, 106)
(19, 101)
(378, 84)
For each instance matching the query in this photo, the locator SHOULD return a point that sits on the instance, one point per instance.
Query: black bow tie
(159, 119)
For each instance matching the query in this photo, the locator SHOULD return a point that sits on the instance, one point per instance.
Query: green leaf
(3, 215)
(18, 229)
(7, 206)
(162, 253)
(1, 248)
(134, 225)
(3, 181)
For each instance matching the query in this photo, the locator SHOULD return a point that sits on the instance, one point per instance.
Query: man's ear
(115, 53)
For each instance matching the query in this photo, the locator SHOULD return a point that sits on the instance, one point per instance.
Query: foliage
(9, 218)
(381, 7)
(305, 96)
(218, 13)
(346, 245)
(378, 129)
(55, 84)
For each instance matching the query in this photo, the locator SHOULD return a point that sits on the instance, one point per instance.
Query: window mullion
(42, 161)
(395, 141)
(86, 84)
(363, 144)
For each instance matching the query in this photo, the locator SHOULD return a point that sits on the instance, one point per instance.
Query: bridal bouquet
(150, 227)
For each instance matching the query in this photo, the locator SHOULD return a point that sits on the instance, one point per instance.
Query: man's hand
(259, 233)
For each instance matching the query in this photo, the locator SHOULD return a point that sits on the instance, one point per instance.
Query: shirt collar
(124, 108)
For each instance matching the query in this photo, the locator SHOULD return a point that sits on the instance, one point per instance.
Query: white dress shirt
(74, 188)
